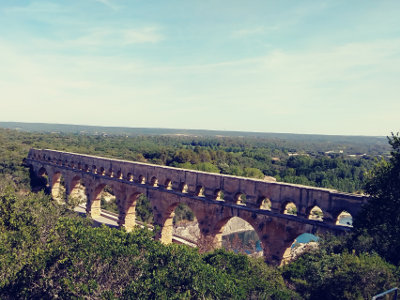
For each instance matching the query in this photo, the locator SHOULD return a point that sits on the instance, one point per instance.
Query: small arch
(94, 169)
(65, 163)
(102, 171)
(316, 213)
(49, 158)
(264, 203)
(240, 199)
(79, 166)
(199, 191)
(290, 209)
(59, 162)
(344, 219)
(168, 184)
(110, 173)
(183, 188)
(86, 168)
(219, 195)
(129, 177)
(154, 181)
(119, 175)
(142, 179)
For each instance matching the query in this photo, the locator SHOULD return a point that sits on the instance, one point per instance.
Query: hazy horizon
(193, 129)
(328, 67)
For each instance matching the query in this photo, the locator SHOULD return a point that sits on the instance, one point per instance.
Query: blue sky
(329, 67)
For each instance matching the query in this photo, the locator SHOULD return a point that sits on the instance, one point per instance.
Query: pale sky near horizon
(323, 67)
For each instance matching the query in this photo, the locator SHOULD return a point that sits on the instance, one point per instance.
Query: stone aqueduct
(213, 198)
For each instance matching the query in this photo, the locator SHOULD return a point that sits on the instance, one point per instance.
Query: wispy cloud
(109, 4)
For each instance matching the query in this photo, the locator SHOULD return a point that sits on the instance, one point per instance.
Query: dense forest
(322, 164)
(48, 251)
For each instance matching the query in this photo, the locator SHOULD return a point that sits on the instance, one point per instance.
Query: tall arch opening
(180, 225)
(58, 190)
(77, 197)
(105, 202)
(239, 236)
(303, 243)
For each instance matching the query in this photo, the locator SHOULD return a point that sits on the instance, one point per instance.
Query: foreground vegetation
(46, 251)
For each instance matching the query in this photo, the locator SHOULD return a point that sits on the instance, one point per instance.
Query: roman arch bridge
(213, 198)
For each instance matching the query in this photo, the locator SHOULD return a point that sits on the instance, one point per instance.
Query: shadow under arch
(39, 181)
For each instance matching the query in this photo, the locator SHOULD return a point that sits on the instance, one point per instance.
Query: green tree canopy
(378, 224)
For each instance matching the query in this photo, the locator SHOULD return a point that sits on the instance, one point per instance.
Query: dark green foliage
(183, 212)
(377, 226)
(47, 252)
(143, 210)
(254, 279)
(322, 275)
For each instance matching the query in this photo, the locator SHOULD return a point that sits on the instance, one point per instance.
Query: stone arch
(298, 246)
(220, 231)
(168, 184)
(344, 218)
(102, 171)
(315, 213)
(289, 208)
(119, 175)
(183, 188)
(219, 195)
(154, 181)
(127, 217)
(106, 193)
(199, 191)
(167, 228)
(94, 169)
(240, 198)
(129, 177)
(110, 173)
(86, 168)
(264, 203)
(58, 188)
(77, 194)
(142, 179)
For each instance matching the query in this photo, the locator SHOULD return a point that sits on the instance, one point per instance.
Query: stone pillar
(167, 229)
